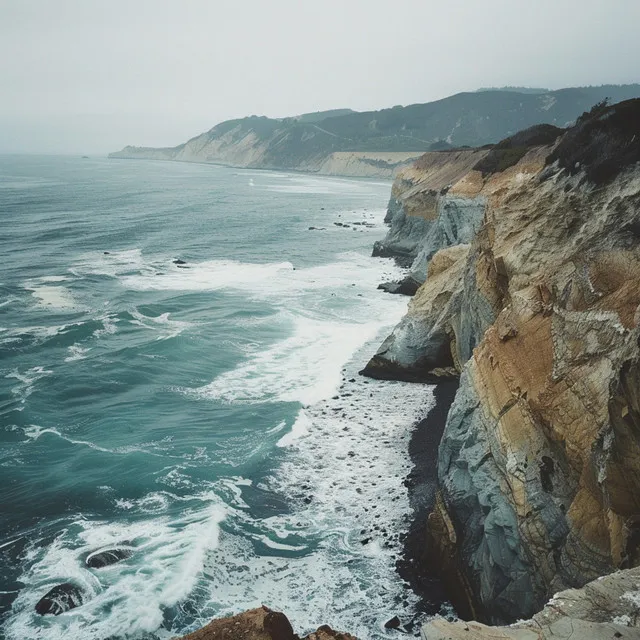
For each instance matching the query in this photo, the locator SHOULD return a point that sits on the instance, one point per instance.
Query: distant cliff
(530, 263)
(378, 143)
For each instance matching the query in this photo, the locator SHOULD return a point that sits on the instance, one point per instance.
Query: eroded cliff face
(606, 608)
(423, 218)
(539, 465)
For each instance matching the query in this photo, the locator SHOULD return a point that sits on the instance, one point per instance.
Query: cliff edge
(537, 310)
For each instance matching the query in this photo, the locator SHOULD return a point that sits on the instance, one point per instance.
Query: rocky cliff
(607, 608)
(377, 143)
(535, 304)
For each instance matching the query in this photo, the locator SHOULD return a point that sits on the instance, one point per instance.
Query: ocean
(178, 378)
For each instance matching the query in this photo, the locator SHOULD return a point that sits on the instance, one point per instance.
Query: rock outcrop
(260, 624)
(605, 608)
(422, 218)
(539, 464)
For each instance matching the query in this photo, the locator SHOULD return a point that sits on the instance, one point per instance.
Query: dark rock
(406, 287)
(394, 623)
(61, 598)
(402, 259)
(104, 558)
(416, 565)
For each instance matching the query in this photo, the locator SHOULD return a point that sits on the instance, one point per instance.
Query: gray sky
(89, 76)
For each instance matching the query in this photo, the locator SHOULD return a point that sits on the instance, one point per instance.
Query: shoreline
(386, 177)
(422, 483)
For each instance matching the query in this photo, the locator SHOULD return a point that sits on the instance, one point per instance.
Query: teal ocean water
(207, 416)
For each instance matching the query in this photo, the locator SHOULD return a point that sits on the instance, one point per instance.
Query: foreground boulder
(259, 624)
(61, 598)
(539, 464)
(603, 609)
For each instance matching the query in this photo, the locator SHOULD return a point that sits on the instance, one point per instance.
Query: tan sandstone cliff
(539, 465)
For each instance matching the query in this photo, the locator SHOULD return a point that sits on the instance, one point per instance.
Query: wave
(167, 327)
(127, 598)
(302, 368)
(77, 352)
(111, 263)
(26, 381)
(34, 432)
(341, 470)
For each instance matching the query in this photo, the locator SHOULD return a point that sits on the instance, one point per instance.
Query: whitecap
(77, 352)
(304, 367)
(129, 598)
(51, 296)
(26, 381)
(300, 427)
(165, 326)
(112, 263)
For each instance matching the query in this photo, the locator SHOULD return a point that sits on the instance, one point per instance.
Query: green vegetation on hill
(465, 119)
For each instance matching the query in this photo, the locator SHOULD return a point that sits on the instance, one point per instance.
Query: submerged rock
(104, 558)
(61, 598)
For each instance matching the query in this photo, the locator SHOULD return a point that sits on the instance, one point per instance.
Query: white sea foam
(207, 276)
(325, 324)
(77, 352)
(128, 598)
(34, 432)
(109, 326)
(39, 332)
(276, 281)
(165, 326)
(342, 473)
(50, 296)
(26, 381)
(300, 427)
(113, 263)
(302, 368)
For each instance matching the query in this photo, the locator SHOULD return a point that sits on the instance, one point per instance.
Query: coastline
(416, 563)
(366, 167)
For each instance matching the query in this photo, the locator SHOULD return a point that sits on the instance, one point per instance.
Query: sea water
(206, 415)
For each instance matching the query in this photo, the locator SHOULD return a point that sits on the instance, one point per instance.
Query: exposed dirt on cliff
(538, 465)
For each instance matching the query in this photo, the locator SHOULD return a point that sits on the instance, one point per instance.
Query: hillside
(307, 142)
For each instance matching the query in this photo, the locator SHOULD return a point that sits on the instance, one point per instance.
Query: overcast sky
(90, 76)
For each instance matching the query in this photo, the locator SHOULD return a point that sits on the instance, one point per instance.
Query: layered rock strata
(539, 464)
(422, 218)
(606, 608)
